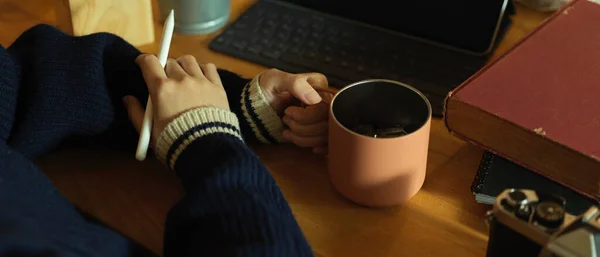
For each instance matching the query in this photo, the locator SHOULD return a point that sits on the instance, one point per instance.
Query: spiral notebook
(496, 174)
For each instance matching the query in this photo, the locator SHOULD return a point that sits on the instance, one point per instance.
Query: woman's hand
(181, 86)
(307, 125)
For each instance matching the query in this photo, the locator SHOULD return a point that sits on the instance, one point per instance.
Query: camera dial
(549, 214)
(516, 198)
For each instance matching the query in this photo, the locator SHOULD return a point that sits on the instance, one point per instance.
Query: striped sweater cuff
(192, 125)
(262, 118)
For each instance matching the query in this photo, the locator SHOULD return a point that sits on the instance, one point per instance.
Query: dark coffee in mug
(383, 110)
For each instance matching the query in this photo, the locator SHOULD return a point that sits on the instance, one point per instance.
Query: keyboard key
(271, 24)
(265, 41)
(294, 50)
(255, 49)
(267, 32)
(260, 12)
(318, 66)
(273, 54)
(240, 25)
(317, 26)
(360, 68)
(310, 54)
(303, 22)
(278, 45)
(254, 40)
(333, 31)
(283, 36)
(313, 44)
(287, 17)
(302, 32)
(271, 15)
(239, 44)
(223, 40)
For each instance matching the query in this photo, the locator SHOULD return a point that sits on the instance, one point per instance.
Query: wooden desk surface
(132, 197)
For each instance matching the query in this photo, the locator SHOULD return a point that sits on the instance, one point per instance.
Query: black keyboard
(296, 39)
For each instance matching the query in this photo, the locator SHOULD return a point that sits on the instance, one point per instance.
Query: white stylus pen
(163, 54)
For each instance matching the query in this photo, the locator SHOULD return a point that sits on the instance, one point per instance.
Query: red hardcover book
(538, 105)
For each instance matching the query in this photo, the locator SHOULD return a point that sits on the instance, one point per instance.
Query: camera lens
(549, 214)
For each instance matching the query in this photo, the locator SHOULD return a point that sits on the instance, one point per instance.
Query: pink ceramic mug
(378, 142)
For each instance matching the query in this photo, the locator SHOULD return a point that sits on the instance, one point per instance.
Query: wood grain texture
(130, 19)
(133, 197)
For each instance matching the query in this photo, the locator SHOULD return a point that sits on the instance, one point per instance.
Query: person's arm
(258, 120)
(36, 220)
(267, 111)
(232, 205)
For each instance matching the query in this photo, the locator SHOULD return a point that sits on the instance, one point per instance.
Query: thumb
(303, 87)
(135, 111)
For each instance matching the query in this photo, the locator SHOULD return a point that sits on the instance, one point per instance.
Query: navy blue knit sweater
(56, 88)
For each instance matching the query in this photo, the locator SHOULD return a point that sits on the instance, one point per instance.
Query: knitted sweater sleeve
(258, 120)
(232, 205)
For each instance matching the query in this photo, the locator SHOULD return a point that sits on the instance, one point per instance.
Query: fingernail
(286, 120)
(313, 97)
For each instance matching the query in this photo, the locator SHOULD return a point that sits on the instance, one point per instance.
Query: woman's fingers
(308, 126)
(308, 115)
(174, 70)
(152, 71)
(190, 65)
(211, 73)
(314, 129)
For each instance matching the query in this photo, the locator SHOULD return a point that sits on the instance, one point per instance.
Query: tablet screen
(465, 24)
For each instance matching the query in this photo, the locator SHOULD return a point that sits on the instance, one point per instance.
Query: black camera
(530, 223)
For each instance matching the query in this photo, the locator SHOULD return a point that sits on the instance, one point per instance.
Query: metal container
(378, 142)
(196, 16)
